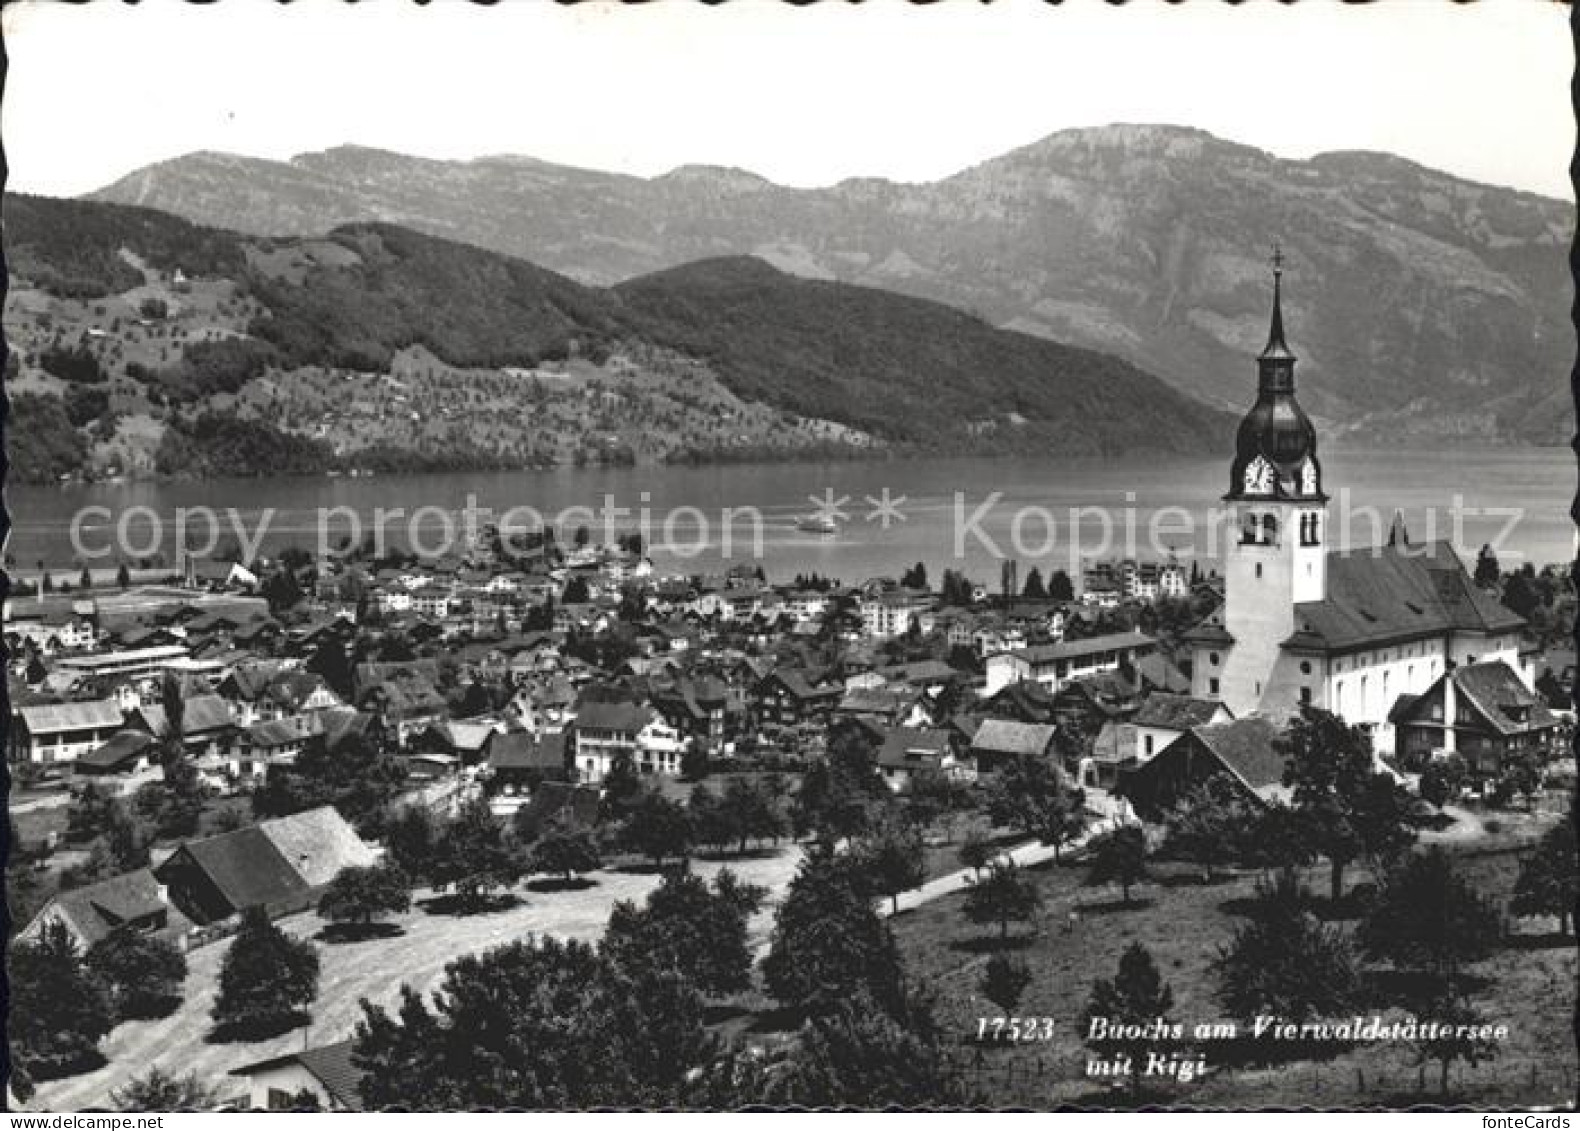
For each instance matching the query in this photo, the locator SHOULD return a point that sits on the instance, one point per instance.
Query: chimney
(1450, 706)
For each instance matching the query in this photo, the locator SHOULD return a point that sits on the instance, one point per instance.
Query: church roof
(1396, 593)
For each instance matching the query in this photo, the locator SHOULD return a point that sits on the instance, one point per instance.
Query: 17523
(1014, 1028)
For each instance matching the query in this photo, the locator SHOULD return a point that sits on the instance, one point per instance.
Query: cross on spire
(1275, 339)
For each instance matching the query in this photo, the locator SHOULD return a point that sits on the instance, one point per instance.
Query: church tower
(1277, 556)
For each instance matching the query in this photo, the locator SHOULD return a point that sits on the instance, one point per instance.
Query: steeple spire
(1277, 348)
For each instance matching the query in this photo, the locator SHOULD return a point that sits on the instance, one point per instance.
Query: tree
(976, 851)
(281, 590)
(1004, 981)
(1120, 857)
(1030, 795)
(891, 859)
(474, 855)
(1003, 894)
(828, 945)
(712, 822)
(1285, 962)
(657, 828)
(1034, 585)
(1549, 879)
(1212, 825)
(622, 787)
(358, 775)
(1428, 918)
(410, 840)
(358, 896)
(89, 814)
(1060, 587)
(860, 1055)
(915, 577)
(1281, 840)
(1350, 808)
(157, 1090)
(1132, 1004)
(1459, 1037)
(688, 928)
(1520, 595)
(838, 793)
(58, 1010)
(266, 981)
(143, 975)
(755, 812)
(123, 577)
(1441, 780)
(538, 1024)
(1487, 572)
(695, 762)
(566, 849)
(331, 661)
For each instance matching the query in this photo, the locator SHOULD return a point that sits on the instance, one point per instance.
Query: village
(244, 737)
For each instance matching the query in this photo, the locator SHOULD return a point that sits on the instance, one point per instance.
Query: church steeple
(1277, 349)
(1276, 447)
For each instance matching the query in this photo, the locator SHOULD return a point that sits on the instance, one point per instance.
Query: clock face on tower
(1259, 476)
(1308, 479)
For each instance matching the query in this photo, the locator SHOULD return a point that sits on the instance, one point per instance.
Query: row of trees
(64, 1000)
(543, 1023)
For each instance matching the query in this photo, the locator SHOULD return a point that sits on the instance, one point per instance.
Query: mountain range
(1424, 307)
(143, 343)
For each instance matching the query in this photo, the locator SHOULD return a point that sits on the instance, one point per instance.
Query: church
(1349, 631)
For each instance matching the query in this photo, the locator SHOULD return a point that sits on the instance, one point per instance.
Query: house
(279, 864)
(48, 733)
(888, 706)
(907, 753)
(896, 612)
(520, 761)
(999, 741)
(274, 742)
(402, 694)
(1121, 744)
(131, 663)
(120, 762)
(602, 732)
(1242, 753)
(1053, 665)
(1163, 718)
(134, 901)
(699, 710)
(51, 629)
(207, 728)
(326, 1072)
(1484, 713)
(791, 696)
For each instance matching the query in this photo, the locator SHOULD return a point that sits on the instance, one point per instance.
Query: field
(1529, 985)
(375, 969)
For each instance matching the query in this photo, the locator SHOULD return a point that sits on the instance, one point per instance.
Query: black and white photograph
(753, 557)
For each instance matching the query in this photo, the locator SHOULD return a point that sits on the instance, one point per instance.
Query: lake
(954, 513)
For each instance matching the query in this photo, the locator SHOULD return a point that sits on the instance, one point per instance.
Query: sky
(804, 96)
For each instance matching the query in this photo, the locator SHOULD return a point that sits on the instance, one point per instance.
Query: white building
(1347, 631)
(1054, 665)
